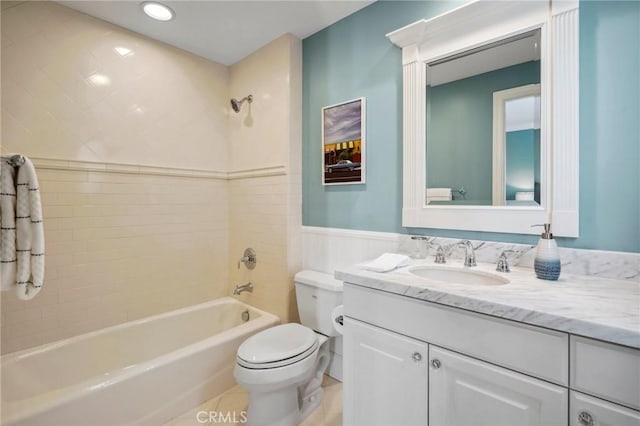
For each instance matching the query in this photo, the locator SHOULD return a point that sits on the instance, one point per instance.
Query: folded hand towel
(29, 233)
(387, 262)
(439, 192)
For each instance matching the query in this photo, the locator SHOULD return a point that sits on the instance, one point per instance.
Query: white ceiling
(224, 31)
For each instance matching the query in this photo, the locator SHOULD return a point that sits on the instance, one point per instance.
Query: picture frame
(343, 143)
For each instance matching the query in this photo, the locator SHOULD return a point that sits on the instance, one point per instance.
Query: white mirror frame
(469, 26)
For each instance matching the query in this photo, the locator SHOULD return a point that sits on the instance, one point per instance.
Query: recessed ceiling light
(123, 51)
(99, 80)
(157, 11)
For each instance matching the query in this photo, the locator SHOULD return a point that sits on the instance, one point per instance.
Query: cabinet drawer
(532, 350)
(606, 370)
(586, 410)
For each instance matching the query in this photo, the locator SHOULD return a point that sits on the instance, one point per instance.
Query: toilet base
(284, 403)
(311, 392)
(282, 407)
(310, 403)
(275, 408)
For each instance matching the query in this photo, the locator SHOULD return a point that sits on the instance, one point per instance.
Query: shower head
(237, 104)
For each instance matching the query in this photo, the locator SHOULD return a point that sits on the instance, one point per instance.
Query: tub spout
(246, 287)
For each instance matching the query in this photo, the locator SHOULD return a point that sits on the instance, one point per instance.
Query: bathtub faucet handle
(249, 259)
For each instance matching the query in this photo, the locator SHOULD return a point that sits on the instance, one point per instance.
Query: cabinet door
(590, 411)
(385, 377)
(466, 392)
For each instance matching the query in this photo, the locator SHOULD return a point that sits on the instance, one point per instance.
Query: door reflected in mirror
(483, 126)
(516, 144)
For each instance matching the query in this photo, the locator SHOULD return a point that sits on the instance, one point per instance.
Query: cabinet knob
(585, 419)
(417, 357)
(435, 363)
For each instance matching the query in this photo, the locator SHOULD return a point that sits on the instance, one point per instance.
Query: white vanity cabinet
(385, 382)
(414, 362)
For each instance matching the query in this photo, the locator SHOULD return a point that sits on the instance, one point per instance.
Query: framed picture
(343, 143)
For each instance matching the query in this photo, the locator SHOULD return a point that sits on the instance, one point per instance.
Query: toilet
(282, 367)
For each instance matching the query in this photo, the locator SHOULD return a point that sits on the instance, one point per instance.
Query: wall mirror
(491, 156)
(490, 129)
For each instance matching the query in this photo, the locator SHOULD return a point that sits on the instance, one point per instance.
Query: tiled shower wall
(78, 88)
(259, 221)
(266, 208)
(81, 96)
(121, 246)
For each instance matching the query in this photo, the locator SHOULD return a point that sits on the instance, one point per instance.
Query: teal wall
(353, 58)
(459, 151)
(521, 150)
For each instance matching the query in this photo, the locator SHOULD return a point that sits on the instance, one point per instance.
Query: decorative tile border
(53, 164)
(260, 172)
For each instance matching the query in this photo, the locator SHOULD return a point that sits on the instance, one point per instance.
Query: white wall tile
(108, 262)
(260, 207)
(124, 245)
(69, 94)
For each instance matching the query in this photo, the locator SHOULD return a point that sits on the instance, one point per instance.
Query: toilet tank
(317, 294)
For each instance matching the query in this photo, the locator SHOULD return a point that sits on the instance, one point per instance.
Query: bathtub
(140, 372)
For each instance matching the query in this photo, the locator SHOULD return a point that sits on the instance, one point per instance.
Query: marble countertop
(594, 307)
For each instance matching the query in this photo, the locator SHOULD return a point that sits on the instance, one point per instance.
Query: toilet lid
(283, 342)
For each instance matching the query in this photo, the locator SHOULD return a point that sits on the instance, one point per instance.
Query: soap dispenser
(547, 261)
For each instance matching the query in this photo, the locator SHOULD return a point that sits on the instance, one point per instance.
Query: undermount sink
(458, 275)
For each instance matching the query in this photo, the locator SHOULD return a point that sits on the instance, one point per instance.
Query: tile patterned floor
(235, 400)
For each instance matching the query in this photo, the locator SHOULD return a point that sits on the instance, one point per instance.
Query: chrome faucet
(246, 287)
(440, 259)
(503, 262)
(469, 253)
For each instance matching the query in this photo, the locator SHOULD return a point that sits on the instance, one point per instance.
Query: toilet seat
(277, 346)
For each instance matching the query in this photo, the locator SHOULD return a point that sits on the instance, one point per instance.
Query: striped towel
(29, 233)
(7, 226)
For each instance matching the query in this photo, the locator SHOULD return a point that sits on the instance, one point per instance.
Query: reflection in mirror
(474, 157)
(516, 145)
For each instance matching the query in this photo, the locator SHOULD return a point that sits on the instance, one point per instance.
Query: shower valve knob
(249, 259)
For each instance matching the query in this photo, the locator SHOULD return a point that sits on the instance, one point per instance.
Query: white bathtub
(140, 372)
